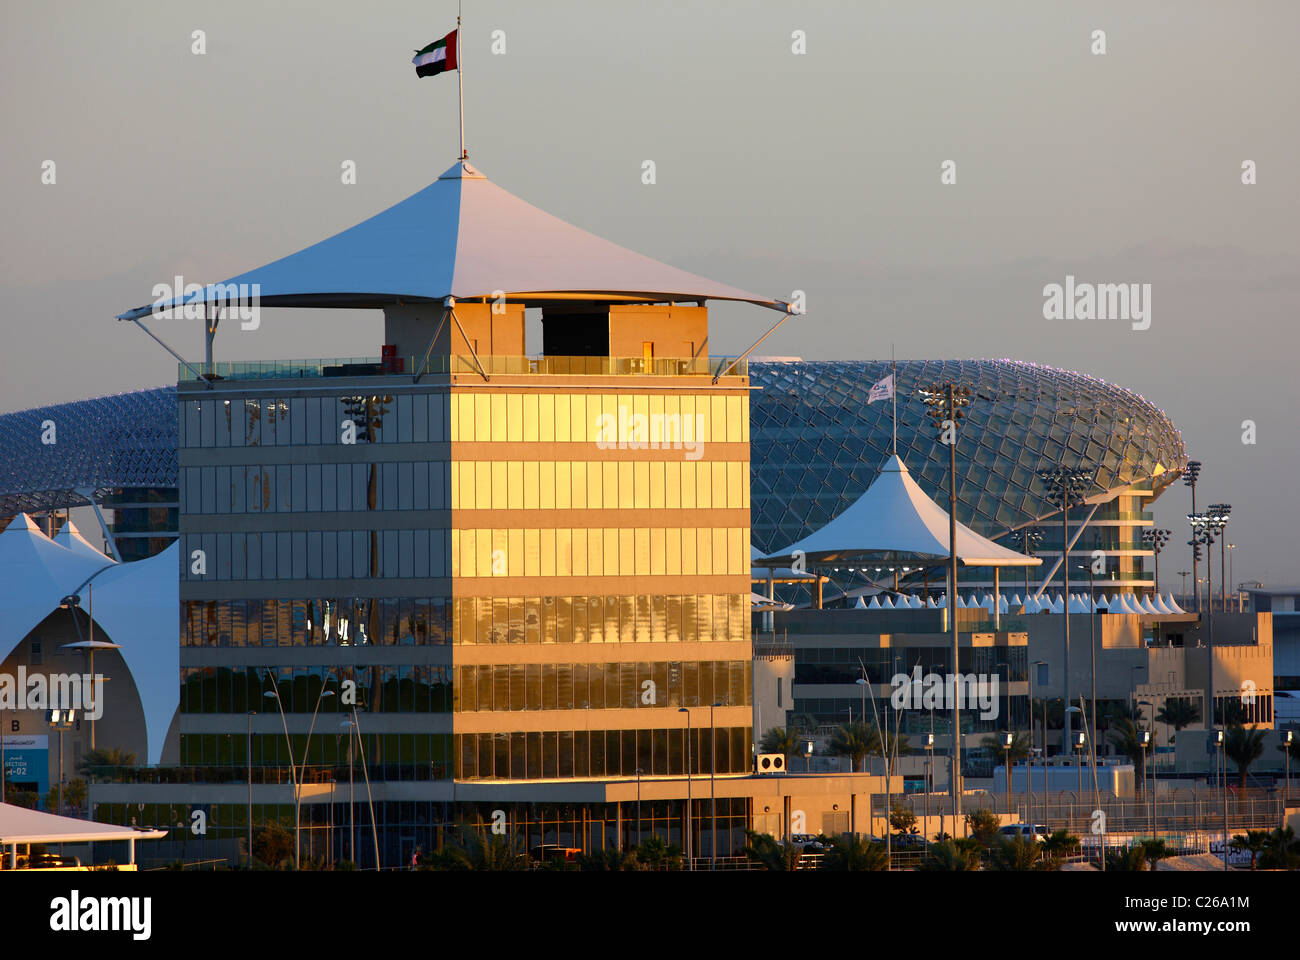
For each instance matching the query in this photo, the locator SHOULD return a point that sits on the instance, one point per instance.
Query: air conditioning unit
(770, 763)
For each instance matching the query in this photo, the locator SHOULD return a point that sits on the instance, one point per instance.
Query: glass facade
(817, 444)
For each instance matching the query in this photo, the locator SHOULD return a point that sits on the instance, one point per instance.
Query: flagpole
(460, 82)
(893, 372)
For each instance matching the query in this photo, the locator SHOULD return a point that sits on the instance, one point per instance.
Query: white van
(1024, 831)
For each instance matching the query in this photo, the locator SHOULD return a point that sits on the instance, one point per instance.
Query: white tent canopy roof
(895, 516)
(20, 825)
(464, 237)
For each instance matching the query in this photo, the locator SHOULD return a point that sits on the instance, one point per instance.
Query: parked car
(1025, 831)
(554, 851)
(807, 843)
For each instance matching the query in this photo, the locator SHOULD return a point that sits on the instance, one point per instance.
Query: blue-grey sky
(775, 172)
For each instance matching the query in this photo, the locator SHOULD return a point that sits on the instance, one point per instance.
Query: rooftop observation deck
(596, 366)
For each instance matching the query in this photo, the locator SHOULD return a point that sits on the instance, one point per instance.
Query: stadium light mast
(1190, 476)
(946, 402)
(1064, 489)
(1155, 539)
(1219, 513)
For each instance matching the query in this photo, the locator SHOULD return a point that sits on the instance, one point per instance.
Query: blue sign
(27, 762)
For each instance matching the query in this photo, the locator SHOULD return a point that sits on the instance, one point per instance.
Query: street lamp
(1155, 539)
(1151, 736)
(690, 846)
(929, 775)
(1286, 753)
(946, 402)
(1145, 740)
(1231, 580)
(639, 771)
(1191, 474)
(1007, 738)
(60, 720)
(1219, 513)
(1065, 487)
(1030, 538)
(1029, 761)
(1079, 743)
(713, 797)
(1221, 743)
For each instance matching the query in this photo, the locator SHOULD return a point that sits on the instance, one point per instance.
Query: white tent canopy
(895, 516)
(464, 237)
(20, 825)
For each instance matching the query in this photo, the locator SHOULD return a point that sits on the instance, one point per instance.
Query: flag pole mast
(460, 82)
(893, 372)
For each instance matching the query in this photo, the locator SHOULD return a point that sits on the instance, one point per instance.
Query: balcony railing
(460, 364)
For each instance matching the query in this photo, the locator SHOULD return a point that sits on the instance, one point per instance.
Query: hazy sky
(775, 172)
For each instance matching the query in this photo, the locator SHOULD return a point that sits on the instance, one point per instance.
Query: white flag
(882, 390)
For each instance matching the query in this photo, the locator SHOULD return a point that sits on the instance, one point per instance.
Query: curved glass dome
(816, 444)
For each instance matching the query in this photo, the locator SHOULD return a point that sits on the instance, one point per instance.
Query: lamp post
(1064, 489)
(929, 774)
(1191, 474)
(1183, 574)
(60, 720)
(1030, 537)
(639, 771)
(1007, 739)
(690, 846)
(365, 773)
(1231, 580)
(249, 751)
(1155, 539)
(1145, 740)
(1092, 698)
(1203, 535)
(946, 402)
(713, 797)
(1219, 513)
(1221, 744)
(1029, 761)
(1286, 754)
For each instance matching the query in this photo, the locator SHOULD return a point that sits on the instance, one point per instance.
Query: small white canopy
(895, 516)
(20, 825)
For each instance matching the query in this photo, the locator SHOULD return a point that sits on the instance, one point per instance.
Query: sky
(775, 171)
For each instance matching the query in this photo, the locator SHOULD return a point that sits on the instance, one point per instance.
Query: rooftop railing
(598, 366)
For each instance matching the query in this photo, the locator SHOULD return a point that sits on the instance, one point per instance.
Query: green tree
(272, 845)
(771, 854)
(982, 825)
(609, 859)
(1127, 738)
(951, 856)
(855, 741)
(1256, 841)
(1282, 851)
(787, 741)
(102, 763)
(1017, 854)
(1179, 712)
(477, 849)
(1127, 860)
(74, 798)
(902, 819)
(656, 853)
(1154, 851)
(1243, 747)
(1058, 845)
(855, 852)
(993, 746)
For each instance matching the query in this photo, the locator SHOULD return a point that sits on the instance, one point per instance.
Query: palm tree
(1179, 712)
(787, 741)
(855, 852)
(994, 745)
(1130, 860)
(101, 762)
(1018, 854)
(856, 741)
(952, 856)
(1256, 841)
(1282, 851)
(1127, 738)
(1243, 748)
(767, 851)
(1058, 845)
(983, 825)
(1154, 851)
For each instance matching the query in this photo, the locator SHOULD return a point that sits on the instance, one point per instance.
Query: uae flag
(437, 57)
